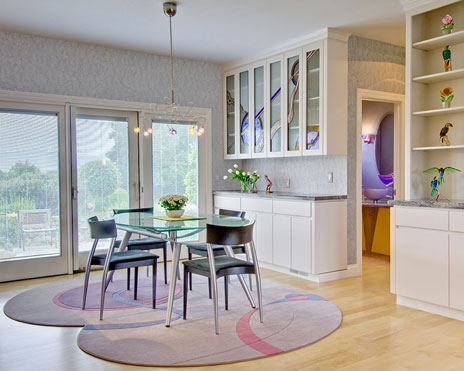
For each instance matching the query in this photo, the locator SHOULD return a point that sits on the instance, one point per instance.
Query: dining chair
(114, 260)
(201, 250)
(215, 267)
(146, 243)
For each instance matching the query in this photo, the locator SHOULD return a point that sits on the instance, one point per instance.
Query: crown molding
(326, 33)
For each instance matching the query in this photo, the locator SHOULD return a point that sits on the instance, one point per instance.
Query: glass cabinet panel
(230, 114)
(313, 99)
(258, 109)
(275, 107)
(244, 113)
(293, 103)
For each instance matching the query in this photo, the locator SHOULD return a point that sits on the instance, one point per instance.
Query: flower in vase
(236, 166)
(447, 22)
(173, 202)
(230, 171)
(225, 177)
(447, 94)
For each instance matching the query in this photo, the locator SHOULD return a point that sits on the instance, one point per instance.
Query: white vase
(446, 104)
(447, 31)
(175, 213)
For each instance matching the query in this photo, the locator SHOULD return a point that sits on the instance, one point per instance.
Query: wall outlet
(330, 177)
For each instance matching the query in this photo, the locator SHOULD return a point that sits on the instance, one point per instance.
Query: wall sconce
(368, 138)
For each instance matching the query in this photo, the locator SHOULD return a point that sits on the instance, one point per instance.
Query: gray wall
(376, 66)
(43, 65)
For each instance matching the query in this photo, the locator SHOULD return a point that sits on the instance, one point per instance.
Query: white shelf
(440, 41)
(438, 147)
(442, 76)
(440, 111)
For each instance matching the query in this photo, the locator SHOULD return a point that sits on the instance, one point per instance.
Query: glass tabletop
(146, 221)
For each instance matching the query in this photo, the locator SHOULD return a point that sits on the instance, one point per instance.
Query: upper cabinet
(290, 104)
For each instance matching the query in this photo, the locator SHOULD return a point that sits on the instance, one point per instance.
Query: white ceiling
(214, 30)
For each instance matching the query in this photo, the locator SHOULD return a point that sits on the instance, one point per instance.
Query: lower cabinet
(422, 264)
(456, 270)
(302, 237)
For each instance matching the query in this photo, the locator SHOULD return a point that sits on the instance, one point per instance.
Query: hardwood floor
(376, 334)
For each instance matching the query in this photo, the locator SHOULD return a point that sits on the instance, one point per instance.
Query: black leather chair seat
(220, 262)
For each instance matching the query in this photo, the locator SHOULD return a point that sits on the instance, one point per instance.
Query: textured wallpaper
(376, 66)
(43, 65)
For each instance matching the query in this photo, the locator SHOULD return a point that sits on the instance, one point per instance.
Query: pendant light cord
(172, 66)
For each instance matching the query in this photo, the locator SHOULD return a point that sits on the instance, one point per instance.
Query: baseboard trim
(429, 307)
(352, 270)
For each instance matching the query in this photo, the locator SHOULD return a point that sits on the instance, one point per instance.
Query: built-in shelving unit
(426, 77)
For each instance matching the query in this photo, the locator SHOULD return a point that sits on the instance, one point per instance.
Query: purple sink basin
(375, 194)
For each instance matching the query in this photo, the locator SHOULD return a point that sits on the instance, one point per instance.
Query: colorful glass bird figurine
(447, 59)
(172, 131)
(269, 184)
(442, 172)
(434, 185)
(444, 133)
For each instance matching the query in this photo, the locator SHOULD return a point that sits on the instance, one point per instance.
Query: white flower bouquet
(245, 178)
(173, 202)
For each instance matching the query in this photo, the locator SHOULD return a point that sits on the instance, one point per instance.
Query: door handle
(74, 193)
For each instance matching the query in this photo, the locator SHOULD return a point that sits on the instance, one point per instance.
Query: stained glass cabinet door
(293, 112)
(274, 97)
(258, 112)
(244, 121)
(230, 114)
(313, 128)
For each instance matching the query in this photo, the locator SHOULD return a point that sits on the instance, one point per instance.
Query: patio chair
(35, 221)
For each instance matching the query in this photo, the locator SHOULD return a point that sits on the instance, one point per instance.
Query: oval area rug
(292, 319)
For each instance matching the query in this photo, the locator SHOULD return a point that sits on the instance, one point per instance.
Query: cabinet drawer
(456, 222)
(422, 217)
(297, 208)
(256, 204)
(231, 203)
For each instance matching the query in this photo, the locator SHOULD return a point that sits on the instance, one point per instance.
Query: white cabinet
(280, 106)
(456, 270)
(307, 238)
(422, 264)
(282, 240)
(301, 244)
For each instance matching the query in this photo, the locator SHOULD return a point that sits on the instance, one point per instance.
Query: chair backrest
(100, 229)
(35, 219)
(240, 214)
(229, 236)
(125, 211)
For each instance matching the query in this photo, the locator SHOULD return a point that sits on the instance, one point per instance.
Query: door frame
(40, 266)
(398, 101)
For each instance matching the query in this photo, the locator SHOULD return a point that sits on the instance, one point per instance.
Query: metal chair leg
(258, 280)
(226, 291)
(87, 272)
(105, 278)
(191, 276)
(250, 279)
(186, 278)
(153, 282)
(209, 287)
(128, 279)
(212, 269)
(165, 266)
(136, 280)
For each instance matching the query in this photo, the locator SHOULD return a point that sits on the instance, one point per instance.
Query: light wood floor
(376, 334)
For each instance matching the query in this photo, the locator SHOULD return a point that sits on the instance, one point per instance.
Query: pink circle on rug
(117, 296)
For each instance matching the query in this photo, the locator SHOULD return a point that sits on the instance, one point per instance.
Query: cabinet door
(282, 240)
(301, 244)
(244, 122)
(422, 265)
(257, 111)
(312, 77)
(456, 273)
(230, 114)
(292, 118)
(263, 232)
(274, 102)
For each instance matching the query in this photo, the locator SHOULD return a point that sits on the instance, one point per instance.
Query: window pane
(175, 163)
(102, 170)
(29, 185)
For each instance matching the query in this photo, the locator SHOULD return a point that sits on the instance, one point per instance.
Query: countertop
(445, 204)
(380, 203)
(282, 195)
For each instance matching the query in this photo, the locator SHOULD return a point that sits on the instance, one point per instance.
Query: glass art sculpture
(447, 59)
(444, 133)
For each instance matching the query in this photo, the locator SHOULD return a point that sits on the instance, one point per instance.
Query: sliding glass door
(33, 238)
(105, 169)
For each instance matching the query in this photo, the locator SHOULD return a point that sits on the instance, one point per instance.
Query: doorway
(379, 170)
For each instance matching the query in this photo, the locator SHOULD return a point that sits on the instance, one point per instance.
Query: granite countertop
(445, 204)
(283, 195)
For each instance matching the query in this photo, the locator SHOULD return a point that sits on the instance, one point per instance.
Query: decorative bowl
(375, 194)
(175, 213)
